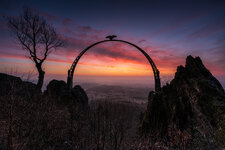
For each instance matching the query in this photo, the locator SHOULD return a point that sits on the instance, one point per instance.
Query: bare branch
(35, 36)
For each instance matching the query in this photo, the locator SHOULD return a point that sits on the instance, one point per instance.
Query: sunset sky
(168, 31)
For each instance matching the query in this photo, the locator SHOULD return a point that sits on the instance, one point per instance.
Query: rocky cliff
(191, 108)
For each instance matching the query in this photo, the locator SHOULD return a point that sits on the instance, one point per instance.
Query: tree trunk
(41, 75)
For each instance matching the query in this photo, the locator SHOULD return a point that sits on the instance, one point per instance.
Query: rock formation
(14, 85)
(193, 103)
(57, 91)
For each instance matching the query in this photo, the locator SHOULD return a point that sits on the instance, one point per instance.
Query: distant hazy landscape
(117, 93)
(115, 88)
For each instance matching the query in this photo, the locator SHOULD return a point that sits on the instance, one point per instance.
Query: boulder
(80, 95)
(58, 92)
(55, 90)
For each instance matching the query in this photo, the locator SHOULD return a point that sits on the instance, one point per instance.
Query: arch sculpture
(111, 39)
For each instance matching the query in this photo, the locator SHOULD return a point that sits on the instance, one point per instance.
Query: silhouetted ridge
(193, 103)
(14, 85)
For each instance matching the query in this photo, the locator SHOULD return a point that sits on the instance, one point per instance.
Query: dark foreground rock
(49, 120)
(80, 95)
(189, 111)
(57, 91)
(14, 85)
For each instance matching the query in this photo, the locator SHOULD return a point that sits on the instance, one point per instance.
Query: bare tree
(36, 37)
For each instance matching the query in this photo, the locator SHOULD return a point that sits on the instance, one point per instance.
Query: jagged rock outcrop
(57, 91)
(193, 103)
(14, 85)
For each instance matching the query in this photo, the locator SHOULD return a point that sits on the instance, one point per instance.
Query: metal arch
(73, 66)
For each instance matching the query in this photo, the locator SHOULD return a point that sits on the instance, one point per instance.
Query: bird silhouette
(111, 37)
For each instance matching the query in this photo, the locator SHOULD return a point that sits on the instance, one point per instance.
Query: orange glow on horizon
(92, 65)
